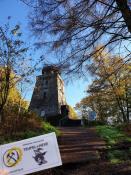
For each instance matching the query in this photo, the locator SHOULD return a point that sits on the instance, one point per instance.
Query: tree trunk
(128, 114)
(126, 12)
(128, 110)
(1, 115)
(118, 100)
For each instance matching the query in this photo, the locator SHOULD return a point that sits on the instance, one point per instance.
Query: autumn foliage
(109, 93)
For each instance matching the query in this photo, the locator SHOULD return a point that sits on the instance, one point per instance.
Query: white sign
(30, 155)
(42, 113)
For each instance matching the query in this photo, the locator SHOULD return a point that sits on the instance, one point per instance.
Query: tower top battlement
(50, 68)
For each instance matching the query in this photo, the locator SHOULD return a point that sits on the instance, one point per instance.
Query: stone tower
(48, 95)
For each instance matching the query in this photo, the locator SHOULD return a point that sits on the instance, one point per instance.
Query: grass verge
(115, 136)
(111, 134)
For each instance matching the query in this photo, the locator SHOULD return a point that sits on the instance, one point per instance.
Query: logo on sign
(39, 156)
(12, 157)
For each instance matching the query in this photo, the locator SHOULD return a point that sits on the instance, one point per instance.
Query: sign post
(30, 155)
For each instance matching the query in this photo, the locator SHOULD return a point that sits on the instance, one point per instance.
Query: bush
(24, 126)
(24, 122)
(125, 127)
(117, 156)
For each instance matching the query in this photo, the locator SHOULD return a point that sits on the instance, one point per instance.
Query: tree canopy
(76, 28)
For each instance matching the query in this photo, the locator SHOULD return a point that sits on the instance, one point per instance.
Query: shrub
(22, 123)
(117, 156)
(24, 126)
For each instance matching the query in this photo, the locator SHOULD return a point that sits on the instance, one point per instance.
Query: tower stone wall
(48, 95)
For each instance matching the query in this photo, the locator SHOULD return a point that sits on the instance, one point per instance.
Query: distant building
(48, 96)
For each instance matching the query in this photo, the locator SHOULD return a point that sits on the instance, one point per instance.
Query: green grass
(111, 134)
(48, 128)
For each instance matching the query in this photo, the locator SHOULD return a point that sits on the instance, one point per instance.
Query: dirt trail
(80, 144)
(80, 150)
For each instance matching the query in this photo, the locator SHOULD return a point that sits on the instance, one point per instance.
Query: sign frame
(40, 153)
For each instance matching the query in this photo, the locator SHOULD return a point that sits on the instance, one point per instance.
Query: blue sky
(19, 15)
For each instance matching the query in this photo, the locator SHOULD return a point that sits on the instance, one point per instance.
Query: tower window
(46, 82)
(45, 95)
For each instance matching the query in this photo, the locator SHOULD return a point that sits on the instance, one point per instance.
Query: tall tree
(14, 66)
(112, 80)
(78, 26)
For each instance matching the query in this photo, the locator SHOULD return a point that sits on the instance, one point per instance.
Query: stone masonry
(48, 95)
